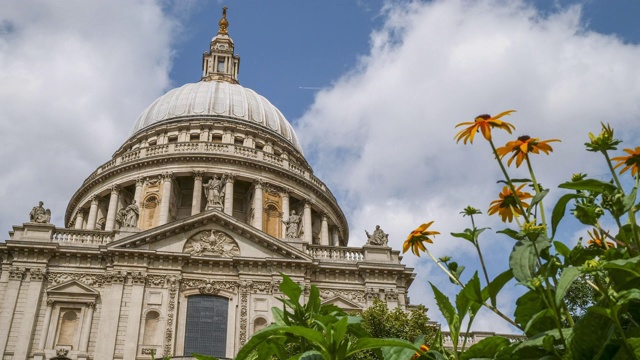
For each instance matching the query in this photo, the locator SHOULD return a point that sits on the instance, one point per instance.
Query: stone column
(196, 202)
(285, 212)
(93, 213)
(31, 308)
(257, 204)
(308, 225)
(113, 209)
(228, 194)
(324, 231)
(79, 219)
(86, 330)
(335, 236)
(165, 202)
(44, 331)
(135, 312)
(8, 306)
(109, 317)
(137, 196)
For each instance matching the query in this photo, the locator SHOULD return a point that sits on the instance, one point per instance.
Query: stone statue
(378, 237)
(293, 225)
(131, 213)
(214, 193)
(39, 215)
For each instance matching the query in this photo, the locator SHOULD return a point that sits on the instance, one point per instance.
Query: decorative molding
(245, 288)
(94, 280)
(37, 274)
(208, 286)
(138, 278)
(148, 351)
(230, 177)
(116, 277)
(211, 243)
(167, 176)
(174, 284)
(198, 175)
(16, 273)
(391, 294)
(352, 295)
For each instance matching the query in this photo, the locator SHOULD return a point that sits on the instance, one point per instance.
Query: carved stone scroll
(211, 243)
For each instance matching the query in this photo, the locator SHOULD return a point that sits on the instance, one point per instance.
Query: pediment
(211, 234)
(343, 303)
(72, 290)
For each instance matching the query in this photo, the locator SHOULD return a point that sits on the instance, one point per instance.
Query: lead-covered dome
(215, 99)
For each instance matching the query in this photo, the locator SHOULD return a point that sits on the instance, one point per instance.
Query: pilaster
(165, 202)
(93, 213)
(112, 209)
(308, 224)
(196, 202)
(285, 211)
(228, 196)
(257, 204)
(8, 306)
(324, 230)
(109, 317)
(135, 311)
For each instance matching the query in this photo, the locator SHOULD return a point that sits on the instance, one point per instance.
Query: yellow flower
(423, 348)
(522, 146)
(632, 161)
(417, 237)
(507, 205)
(597, 239)
(483, 123)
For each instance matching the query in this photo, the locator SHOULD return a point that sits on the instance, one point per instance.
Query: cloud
(74, 75)
(382, 135)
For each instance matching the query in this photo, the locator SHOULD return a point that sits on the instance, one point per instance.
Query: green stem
(509, 182)
(537, 188)
(476, 243)
(624, 338)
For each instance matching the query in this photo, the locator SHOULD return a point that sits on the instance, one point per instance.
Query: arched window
(149, 208)
(68, 327)
(259, 324)
(206, 328)
(151, 328)
(272, 220)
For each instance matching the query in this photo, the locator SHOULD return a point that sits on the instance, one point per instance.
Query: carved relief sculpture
(293, 225)
(39, 215)
(212, 242)
(378, 237)
(214, 193)
(131, 214)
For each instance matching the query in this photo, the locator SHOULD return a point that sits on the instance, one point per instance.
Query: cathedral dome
(216, 99)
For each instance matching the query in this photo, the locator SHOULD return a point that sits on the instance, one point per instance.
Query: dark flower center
(524, 138)
(483, 117)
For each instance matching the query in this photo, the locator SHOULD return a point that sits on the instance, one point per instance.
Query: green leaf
(447, 310)
(538, 340)
(311, 355)
(522, 259)
(339, 330)
(567, 277)
(593, 185)
(628, 296)
(372, 343)
(541, 321)
(290, 288)
(625, 273)
(537, 198)
(562, 249)
(203, 357)
(491, 291)
(467, 235)
(511, 233)
(527, 306)
(485, 348)
(630, 199)
(591, 333)
(559, 211)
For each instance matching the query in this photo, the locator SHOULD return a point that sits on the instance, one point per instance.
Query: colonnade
(326, 236)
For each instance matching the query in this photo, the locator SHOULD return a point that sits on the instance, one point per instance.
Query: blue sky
(373, 88)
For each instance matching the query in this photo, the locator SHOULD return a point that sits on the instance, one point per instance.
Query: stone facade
(193, 208)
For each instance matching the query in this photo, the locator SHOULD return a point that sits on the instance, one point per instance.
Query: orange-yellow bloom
(423, 348)
(483, 123)
(597, 239)
(417, 237)
(523, 146)
(507, 205)
(632, 161)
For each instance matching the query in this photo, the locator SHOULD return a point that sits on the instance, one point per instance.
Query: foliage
(313, 330)
(380, 322)
(582, 302)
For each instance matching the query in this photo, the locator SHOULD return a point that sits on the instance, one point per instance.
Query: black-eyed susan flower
(632, 161)
(483, 123)
(523, 146)
(416, 239)
(596, 239)
(507, 205)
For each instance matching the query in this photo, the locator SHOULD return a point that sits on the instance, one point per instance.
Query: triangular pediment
(210, 234)
(72, 289)
(343, 303)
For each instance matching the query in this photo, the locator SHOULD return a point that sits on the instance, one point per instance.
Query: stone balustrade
(204, 147)
(474, 337)
(335, 253)
(82, 237)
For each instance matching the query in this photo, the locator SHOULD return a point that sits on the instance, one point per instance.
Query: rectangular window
(221, 67)
(206, 328)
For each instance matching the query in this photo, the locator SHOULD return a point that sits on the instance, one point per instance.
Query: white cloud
(382, 135)
(74, 75)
